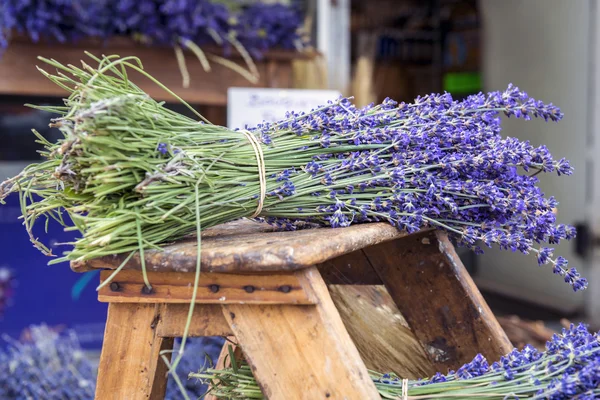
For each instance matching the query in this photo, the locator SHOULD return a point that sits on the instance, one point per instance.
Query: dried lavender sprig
(569, 368)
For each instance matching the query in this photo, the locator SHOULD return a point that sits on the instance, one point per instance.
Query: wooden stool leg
(130, 366)
(301, 352)
(438, 299)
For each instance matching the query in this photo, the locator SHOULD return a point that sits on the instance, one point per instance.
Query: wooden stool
(269, 290)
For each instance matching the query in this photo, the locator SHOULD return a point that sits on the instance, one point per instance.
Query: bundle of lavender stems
(132, 175)
(569, 368)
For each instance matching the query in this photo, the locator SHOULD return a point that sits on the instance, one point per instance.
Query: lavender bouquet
(131, 175)
(569, 368)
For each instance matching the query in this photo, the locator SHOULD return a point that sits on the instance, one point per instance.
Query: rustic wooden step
(246, 246)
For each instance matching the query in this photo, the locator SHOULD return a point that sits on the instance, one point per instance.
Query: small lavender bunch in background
(61, 20)
(168, 22)
(257, 26)
(52, 366)
(249, 29)
(47, 366)
(264, 26)
(569, 368)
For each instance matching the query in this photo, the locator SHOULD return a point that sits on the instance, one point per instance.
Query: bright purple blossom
(569, 368)
(162, 148)
(438, 163)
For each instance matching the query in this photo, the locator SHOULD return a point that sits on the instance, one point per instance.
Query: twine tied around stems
(404, 389)
(262, 173)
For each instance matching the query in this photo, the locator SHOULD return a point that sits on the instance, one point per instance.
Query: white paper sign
(247, 107)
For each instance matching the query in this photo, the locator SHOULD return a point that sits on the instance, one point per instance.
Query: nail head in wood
(285, 289)
(115, 287)
(173, 287)
(147, 289)
(214, 288)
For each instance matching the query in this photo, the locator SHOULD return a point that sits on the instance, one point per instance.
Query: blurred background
(367, 49)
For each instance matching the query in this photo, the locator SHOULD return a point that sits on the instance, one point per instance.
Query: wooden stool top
(246, 246)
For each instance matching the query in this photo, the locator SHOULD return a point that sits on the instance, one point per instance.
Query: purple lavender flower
(61, 20)
(263, 26)
(569, 368)
(437, 163)
(162, 148)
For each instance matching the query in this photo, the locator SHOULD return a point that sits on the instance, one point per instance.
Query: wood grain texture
(349, 269)
(130, 368)
(18, 75)
(245, 246)
(383, 338)
(213, 288)
(438, 299)
(301, 352)
(207, 320)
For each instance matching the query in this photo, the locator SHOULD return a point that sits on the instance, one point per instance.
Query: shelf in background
(18, 75)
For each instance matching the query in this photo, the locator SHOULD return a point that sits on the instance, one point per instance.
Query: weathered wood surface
(301, 352)
(349, 269)
(18, 75)
(245, 246)
(382, 336)
(213, 288)
(448, 320)
(438, 299)
(207, 320)
(130, 367)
